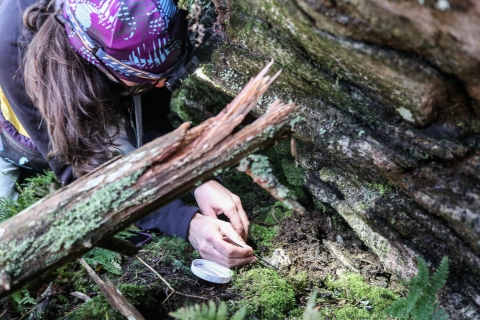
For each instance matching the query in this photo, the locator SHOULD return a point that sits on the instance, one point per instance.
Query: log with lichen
(391, 93)
(80, 216)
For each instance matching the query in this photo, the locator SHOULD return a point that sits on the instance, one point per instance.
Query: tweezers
(256, 255)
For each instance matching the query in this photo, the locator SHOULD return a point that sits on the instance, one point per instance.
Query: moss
(194, 101)
(262, 301)
(361, 300)
(171, 249)
(96, 308)
(299, 280)
(263, 235)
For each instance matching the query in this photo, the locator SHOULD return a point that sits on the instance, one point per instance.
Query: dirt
(322, 249)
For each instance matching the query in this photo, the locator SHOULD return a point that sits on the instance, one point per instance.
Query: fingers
(213, 199)
(244, 218)
(231, 255)
(237, 216)
(236, 222)
(206, 235)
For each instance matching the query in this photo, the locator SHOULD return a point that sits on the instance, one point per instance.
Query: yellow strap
(10, 116)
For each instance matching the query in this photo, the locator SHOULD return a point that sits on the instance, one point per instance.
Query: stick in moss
(113, 295)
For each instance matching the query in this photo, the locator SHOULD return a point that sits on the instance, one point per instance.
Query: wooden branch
(113, 295)
(258, 168)
(78, 217)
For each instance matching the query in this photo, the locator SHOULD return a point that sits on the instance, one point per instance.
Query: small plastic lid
(211, 271)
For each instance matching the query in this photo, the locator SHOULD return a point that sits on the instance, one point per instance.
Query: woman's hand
(214, 199)
(206, 234)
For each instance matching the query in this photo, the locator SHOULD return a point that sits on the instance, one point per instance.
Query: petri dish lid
(211, 271)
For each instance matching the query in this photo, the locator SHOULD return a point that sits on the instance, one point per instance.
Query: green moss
(171, 249)
(96, 308)
(263, 235)
(294, 174)
(299, 280)
(362, 300)
(269, 296)
(383, 188)
(195, 100)
(32, 190)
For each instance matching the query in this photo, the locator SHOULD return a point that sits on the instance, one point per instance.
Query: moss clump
(270, 296)
(171, 249)
(96, 308)
(361, 300)
(263, 235)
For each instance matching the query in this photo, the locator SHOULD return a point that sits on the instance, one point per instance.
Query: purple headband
(139, 39)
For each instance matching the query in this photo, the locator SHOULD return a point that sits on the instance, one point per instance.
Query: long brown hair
(74, 99)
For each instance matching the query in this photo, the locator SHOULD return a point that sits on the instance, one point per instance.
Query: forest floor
(324, 255)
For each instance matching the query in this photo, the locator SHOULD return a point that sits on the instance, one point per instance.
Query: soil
(322, 249)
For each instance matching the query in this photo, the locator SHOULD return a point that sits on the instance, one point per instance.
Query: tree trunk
(391, 92)
(70, 222)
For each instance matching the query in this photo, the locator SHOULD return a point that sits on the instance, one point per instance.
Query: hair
(76, 102)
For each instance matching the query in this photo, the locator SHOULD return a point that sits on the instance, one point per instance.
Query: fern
(31, 191)
(420, 303)
(22, 297)
(22, 300)
(109, 260)
(207, 312)
(310, 313)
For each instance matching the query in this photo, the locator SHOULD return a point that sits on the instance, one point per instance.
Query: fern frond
(310, 313)
(240, 314)
(440, 314)
(109, 260)
(207, 312)
(126, 233)
(420, 302)
(439, 277)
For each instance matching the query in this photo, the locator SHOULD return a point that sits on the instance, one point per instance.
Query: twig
(3, 313)
(113, 295)
(158, 275)
(26, 314)
(357, 301)
(370, 262)
(192, 296)
(273, 215)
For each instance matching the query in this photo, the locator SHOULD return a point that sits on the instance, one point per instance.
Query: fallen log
(75, 219)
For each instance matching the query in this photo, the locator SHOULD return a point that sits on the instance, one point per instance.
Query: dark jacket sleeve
(172, 219)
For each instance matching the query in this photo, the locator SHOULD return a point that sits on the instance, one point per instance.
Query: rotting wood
(113, 295)
(77, 218)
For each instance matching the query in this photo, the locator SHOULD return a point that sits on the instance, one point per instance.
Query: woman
(72, 76)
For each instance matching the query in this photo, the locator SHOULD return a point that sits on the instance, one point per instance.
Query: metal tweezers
(256, 255)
